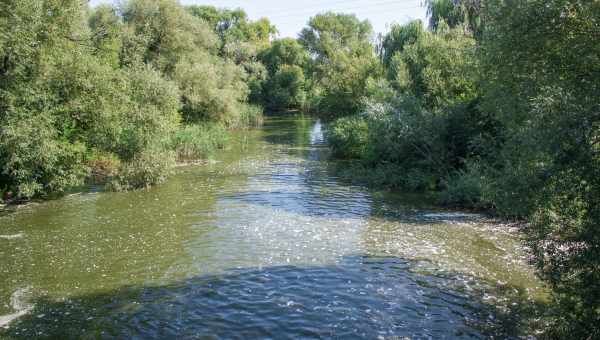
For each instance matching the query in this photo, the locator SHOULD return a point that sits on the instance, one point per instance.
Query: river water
(263, 241)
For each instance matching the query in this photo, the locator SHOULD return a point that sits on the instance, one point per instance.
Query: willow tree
(36, 155)
(455, 13)
(286, 61)
(240, 40)
(185, 49)
(166, 32)
(343, 61)
(399, 37)
(81, 88)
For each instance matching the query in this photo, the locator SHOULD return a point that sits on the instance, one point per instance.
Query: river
(263, 241)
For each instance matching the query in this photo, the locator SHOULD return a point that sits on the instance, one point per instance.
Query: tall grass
(198, 140)
(250, 116)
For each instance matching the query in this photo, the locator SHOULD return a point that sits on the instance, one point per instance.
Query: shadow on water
(364, 297)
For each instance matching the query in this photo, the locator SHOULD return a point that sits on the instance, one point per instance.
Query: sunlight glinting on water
(264, 240)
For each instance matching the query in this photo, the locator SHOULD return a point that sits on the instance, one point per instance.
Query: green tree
(234, 25)
(211, 90)
(439, 68)
(241, 41)
(343, 61)
(399, 37)
(425, 122)
(286, 61)
(183, 47)
(326, 32)
(106, 28)
(286, 88)
(166, 32)
(285, 51)
(455, 13)
(541, 64)
(37, 156)
(79, 90)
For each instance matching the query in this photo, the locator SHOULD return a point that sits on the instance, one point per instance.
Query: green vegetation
(343, 62)
(115, 94)
(493, 106)
(285, 87)
(198, 140)
(348, 137)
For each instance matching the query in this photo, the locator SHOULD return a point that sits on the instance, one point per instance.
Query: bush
(348, 137)
(465, 188)
(563, 235)
(103, 166)
(153, 112)
(149, 167)
(439, 68)
(34, 161)
(211, 89)
(285, 89)
(388, 176)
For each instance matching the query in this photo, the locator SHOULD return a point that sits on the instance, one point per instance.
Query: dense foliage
(343, 62)
(286, 61)
(496, 106)
(542, 79)
(111, 91)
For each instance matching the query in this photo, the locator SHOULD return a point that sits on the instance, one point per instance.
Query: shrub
(103, 166)
(34, 161)
(465, 188)
(348, 137)
(147, 168)
(211, 89)
(285, 88)
(388, 176)
(152, 114)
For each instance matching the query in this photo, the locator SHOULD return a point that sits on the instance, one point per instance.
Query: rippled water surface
(263, 241)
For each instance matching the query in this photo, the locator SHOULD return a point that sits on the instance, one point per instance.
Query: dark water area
(264, 241)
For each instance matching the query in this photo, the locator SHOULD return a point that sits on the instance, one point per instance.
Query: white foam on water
(19, 304)
(451, 215)
(12, 237)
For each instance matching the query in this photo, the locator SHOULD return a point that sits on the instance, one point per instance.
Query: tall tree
(455, 13)
(344, 60)
(399, 37)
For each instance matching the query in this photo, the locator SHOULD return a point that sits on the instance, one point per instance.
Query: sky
(291, 16)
